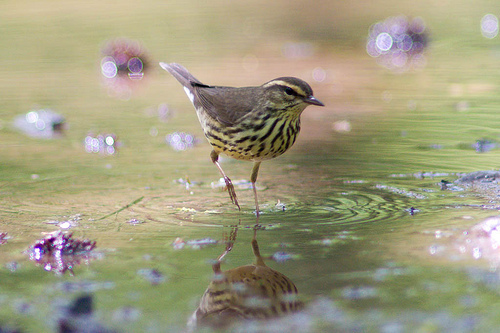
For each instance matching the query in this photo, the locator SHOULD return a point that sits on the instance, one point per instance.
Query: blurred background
(97, 140)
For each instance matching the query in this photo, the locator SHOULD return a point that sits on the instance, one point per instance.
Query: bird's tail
(181, 74)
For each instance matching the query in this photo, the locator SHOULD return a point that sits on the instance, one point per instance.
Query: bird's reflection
(253, 291)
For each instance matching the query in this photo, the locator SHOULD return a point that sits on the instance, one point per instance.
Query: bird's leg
(229, 184)
(253, 179)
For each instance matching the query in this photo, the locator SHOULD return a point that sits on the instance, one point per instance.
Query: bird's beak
(313, 100)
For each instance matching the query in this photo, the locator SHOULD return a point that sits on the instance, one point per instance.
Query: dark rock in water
(81, 306)
(79, 318)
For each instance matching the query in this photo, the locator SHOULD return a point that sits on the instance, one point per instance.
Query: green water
(360, 260)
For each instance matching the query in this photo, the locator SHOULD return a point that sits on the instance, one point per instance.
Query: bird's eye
(289, 91)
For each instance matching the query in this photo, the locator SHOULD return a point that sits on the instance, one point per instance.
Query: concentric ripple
(356, 207)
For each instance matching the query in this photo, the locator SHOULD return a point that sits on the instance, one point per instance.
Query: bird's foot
(231, 191)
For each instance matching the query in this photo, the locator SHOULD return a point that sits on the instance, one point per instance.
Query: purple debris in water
(59, 252)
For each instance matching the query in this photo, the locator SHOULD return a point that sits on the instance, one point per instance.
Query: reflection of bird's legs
(229, 247)
(229, 184)
(255, 248)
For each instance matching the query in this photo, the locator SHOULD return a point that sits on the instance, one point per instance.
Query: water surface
(372, 238)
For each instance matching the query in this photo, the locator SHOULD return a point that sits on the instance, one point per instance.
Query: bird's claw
(231, 191)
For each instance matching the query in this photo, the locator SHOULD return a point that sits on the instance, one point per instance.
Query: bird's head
(289, 94)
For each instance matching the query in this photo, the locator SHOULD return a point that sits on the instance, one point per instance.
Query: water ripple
(356, 207)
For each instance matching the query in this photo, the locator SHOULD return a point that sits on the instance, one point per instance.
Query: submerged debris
(481, 241)
(86, 286)
(280, 206)
(423, 175)
(480, 146)
(124, 58)
(241, 184)
(487, 176)
(188, 183)
(398, 43)
(40, 124)
(153, 276)
(486, 183)
(282, 256)
(412, 211)
(400, 191)
(134, 221)
(181, 141)
(104, 144)
(443, 184)
(12, 266)
(484, 145)
(195, 244)
(124, 64)
(162, 112)
(3, 238)
(70, 222)
(59, 252)
(338, 238)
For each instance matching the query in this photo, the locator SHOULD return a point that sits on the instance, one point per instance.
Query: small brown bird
(247, 292)
(248, 123)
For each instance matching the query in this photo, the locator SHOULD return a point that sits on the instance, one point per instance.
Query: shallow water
(357, 214)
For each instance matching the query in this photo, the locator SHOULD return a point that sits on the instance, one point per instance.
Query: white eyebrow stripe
(285, 84)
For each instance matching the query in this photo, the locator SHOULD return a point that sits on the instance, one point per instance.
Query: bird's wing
(225, 104)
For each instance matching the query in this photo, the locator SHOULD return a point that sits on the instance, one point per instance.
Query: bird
(247, 292)
(254, 124)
